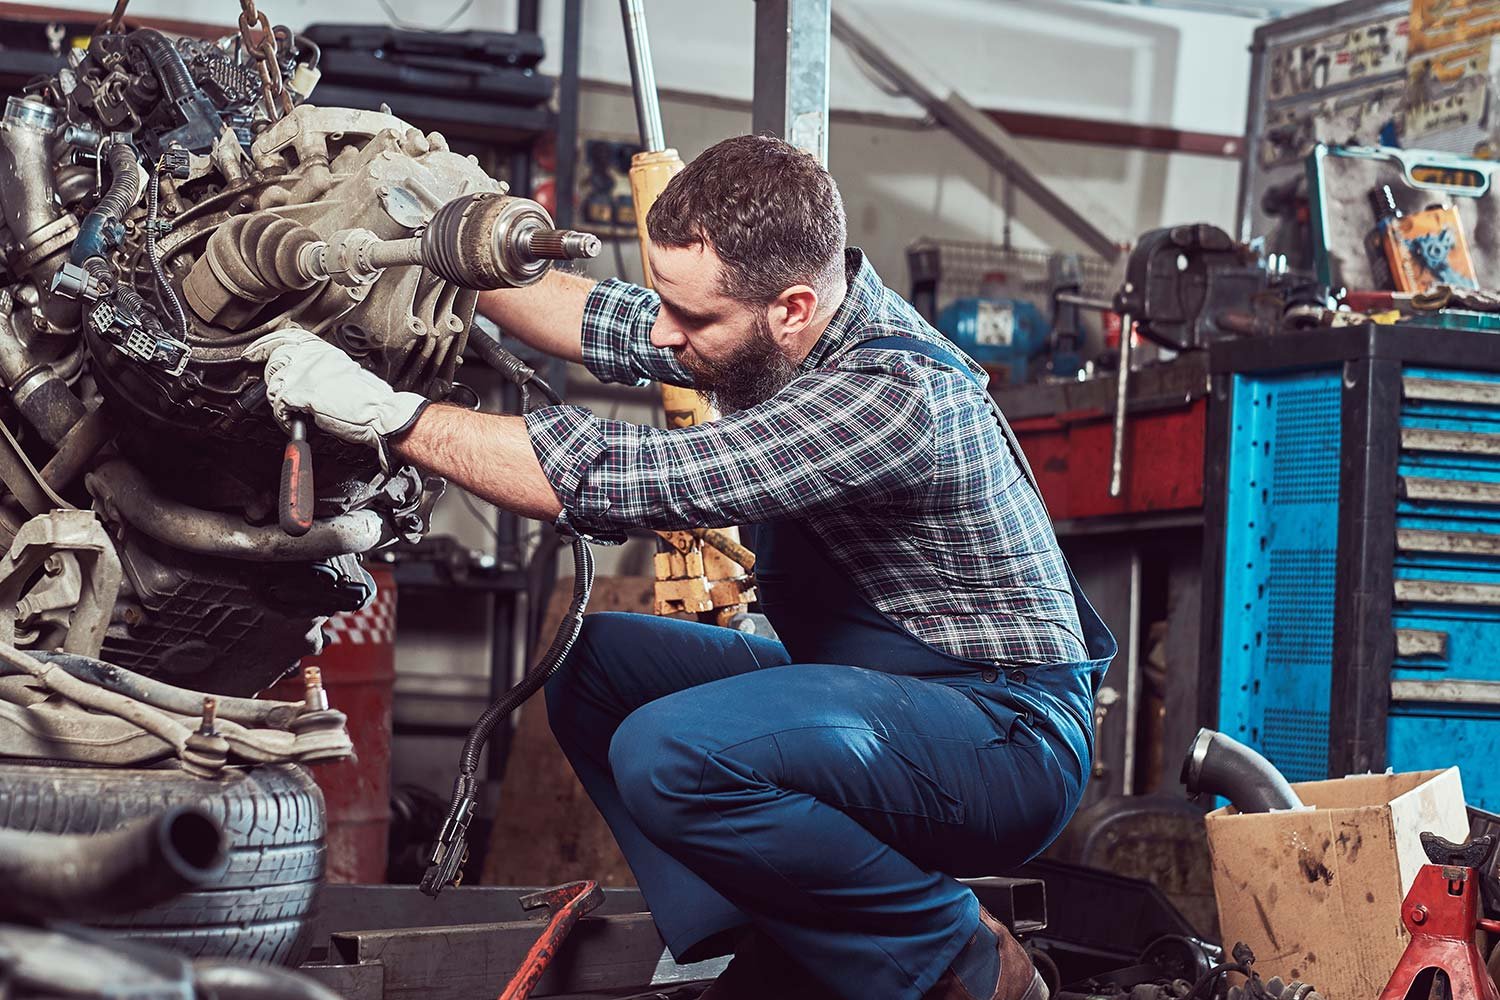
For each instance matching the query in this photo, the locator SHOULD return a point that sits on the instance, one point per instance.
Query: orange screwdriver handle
(296, 502)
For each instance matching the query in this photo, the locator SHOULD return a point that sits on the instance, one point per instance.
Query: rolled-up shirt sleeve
(829, 440)
(617, 322)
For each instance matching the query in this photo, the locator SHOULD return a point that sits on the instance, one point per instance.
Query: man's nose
(664, 334)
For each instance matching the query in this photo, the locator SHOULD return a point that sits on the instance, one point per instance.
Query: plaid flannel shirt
(893, 460)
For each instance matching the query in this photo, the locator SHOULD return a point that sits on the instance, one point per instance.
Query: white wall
(1178, 69)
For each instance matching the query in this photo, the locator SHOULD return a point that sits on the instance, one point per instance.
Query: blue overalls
(825, 788)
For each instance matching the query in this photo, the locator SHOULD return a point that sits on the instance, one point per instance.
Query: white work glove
(305, 374)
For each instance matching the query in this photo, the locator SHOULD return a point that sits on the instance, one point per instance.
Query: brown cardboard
(1317, 892)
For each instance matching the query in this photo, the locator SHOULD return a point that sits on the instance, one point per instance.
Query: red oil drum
(359, 673)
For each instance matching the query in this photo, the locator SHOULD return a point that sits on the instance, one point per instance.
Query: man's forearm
(485, 453)
(547, 315)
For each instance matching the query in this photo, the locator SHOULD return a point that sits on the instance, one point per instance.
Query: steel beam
(977, 130)
(792, 42)
(471, 960)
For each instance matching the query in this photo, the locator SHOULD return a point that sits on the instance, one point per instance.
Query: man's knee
(652, 757)
(670, 773)
(584, 674)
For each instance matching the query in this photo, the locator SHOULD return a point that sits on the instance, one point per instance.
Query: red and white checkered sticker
(375, 624)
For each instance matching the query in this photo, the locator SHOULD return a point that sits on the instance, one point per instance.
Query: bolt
(210, 714)
(1419, 914)
(316, 699)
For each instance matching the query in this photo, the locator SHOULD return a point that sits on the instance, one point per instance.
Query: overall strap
(948, 359)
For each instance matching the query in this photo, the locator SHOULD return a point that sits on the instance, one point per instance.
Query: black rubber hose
(85, 877)
(124, 191)
(167, 61)
(227, 979)
(1220, 765)
(250, 711)
(562, 644)
(1209, 980)
(509, 366)
(97, 267)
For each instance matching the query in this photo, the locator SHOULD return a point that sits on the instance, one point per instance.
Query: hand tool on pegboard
(1441, 912)
(568, 903)
(692, 579)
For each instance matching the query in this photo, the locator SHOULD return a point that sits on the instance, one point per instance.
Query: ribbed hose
(510, 366)
(97, 267)
(562, 644)
(450, 849)
(166, 60)
(123, 192)
(153, 254)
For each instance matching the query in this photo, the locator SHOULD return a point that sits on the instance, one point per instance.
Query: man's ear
(793, 311)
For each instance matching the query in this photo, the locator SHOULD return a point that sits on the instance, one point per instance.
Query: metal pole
(792, 42)
(566, 177)
(642, 76)
(1122, 398)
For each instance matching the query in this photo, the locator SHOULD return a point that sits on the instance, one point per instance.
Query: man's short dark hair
(770, 211)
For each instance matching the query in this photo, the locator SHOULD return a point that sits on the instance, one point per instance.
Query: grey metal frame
(793, 39)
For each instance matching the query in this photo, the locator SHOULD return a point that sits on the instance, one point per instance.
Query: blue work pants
(828, 805)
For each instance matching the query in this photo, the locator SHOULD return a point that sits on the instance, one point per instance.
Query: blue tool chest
(1352, 551)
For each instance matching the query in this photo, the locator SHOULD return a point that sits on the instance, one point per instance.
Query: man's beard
(755, 372)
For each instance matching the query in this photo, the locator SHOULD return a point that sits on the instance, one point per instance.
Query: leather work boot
(1019, 979)
(762, 970)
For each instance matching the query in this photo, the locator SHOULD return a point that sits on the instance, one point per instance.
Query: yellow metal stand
(692, 580)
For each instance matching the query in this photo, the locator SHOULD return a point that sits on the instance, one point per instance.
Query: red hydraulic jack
(568, 904)
(1442, 912)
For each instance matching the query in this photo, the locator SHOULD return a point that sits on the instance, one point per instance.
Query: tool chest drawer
(1352, 551)
(1446, 580)
(1445, 679)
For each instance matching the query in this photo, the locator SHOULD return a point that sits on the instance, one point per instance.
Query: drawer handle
(1421, 642)
(1448, 592)
(1450, 490)
(1457, 442)
(1451, 692)
(1459, 543)
(1444, 390)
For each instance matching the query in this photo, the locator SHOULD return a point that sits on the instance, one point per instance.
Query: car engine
(166, 201)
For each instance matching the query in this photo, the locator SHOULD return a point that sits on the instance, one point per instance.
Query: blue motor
(1006, 336)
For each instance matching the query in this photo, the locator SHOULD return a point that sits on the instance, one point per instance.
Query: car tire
(272, 815)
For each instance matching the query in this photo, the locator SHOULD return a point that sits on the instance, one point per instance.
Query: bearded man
(928, 709)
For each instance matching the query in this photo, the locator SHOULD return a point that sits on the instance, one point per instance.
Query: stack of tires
(272, 816)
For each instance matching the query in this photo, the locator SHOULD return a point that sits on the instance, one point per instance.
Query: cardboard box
(1317, 893)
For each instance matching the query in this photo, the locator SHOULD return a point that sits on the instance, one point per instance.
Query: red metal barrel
(359, 673)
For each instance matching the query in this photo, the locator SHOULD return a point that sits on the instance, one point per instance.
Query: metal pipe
(1122, 400)
(121, 487)
(642, 76)
(228, 979)
(1219, 765)
(107, 874)
(247, 711)
(1083, 301)
(79, 446)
